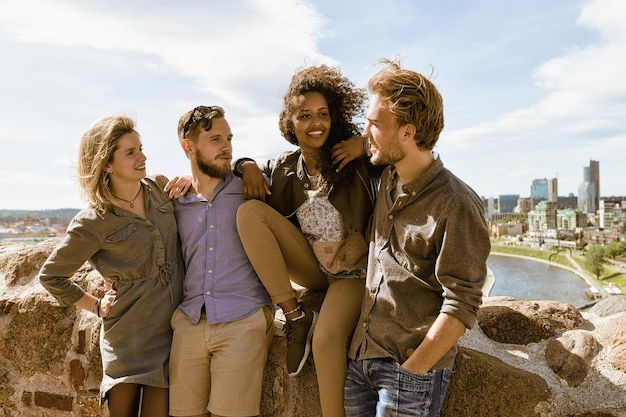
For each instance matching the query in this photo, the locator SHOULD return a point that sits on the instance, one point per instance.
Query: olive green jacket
(354, 198)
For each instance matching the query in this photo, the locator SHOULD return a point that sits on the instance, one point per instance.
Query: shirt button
(413, 193)
(391, 217)
(211, 248)
(211, 227)
(210, 271)
(210, 204)
(208, 293)
(306, 185)
(364, 324)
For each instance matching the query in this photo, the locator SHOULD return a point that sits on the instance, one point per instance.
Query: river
(525, 279)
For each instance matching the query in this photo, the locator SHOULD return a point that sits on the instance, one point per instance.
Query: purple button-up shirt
(218, 273)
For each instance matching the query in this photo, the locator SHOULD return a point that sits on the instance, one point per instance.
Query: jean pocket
(410, 381)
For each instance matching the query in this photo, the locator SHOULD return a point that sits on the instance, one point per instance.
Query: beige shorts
(219, 367)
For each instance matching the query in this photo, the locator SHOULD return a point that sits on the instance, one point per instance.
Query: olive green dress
(143, 259)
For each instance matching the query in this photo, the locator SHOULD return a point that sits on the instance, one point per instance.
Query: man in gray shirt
(427, 257)
(223, 327)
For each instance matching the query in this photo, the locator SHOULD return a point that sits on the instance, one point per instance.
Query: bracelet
(237, 166)
(295, 310)
(366, 146)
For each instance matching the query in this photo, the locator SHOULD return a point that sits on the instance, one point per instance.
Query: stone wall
(521, 359)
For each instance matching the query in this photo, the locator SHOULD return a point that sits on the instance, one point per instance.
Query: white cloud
(222, 52)
(528, 93)
(581, 116)
(607, 15)
(73, 61)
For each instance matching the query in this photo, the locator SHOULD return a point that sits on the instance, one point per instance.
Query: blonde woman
(128, 233)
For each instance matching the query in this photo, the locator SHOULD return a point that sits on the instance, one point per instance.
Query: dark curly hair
(345, 104)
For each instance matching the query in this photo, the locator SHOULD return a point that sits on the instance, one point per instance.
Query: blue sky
(532, 88)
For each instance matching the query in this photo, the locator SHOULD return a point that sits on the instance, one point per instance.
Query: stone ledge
(502, 379)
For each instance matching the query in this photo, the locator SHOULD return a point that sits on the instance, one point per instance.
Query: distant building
(491, 207)
(553, 190)
(507, 203)
(587, 197)
(523, 205)
(538, 191)
(571, 201)
(484, 206)
(506, 229)
(504, 218)
(589, 190)
(594, 178)
(543, 218)
(508, 217)
(572, 220)
(600, 236)
(617, 232)
(610, 211)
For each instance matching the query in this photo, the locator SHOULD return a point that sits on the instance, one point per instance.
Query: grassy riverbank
(533, 253)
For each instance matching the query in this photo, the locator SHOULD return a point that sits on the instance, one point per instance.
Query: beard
(388, 155)
(210, 168)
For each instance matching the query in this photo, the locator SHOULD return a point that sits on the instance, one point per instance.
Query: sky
(532, 88)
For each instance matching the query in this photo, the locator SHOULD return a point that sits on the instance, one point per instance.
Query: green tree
(612, 250)
(595, 259)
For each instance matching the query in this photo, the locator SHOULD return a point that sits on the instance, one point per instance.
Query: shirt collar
(190, 197)
(417, 185)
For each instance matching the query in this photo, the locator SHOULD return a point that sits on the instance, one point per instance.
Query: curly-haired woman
(313, 229)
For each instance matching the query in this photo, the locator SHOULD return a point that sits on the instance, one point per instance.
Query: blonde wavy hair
(95, 153)
(412, 98)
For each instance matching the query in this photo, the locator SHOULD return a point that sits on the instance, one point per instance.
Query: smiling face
(129, 162)
(384, 133)
(311, 121)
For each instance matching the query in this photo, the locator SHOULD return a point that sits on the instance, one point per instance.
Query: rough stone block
(56, 401)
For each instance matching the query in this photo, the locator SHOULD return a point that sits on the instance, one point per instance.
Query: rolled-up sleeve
(461, 267)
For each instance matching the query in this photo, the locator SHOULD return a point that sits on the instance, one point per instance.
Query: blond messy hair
(95, 153)
(412, 98)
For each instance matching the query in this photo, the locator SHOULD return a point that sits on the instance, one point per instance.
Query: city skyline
(531, 89)
(549, 186)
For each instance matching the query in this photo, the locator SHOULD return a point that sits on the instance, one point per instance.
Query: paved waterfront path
(490, 281)
(581, 272)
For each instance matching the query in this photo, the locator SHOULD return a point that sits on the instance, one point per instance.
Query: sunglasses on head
(197, 114)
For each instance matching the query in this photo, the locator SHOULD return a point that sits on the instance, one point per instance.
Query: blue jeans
(382, 388)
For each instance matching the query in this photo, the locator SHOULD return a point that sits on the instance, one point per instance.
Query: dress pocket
(121, 234)
(129, 243)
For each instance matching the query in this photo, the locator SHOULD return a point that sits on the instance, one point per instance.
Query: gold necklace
(131, 202)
